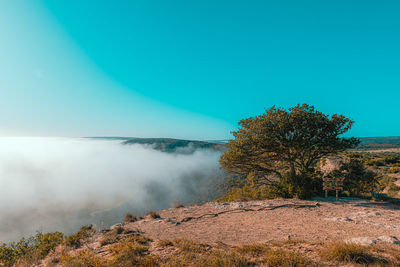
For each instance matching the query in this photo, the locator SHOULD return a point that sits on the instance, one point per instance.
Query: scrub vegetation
(51, 250)
(282, 153)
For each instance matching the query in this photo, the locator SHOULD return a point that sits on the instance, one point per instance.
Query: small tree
(285, 145)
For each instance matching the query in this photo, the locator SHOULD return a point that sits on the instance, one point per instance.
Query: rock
(365, 241)
(237, 206)
(339, 219)
(388, 239)
(370, 241)
(112, 227)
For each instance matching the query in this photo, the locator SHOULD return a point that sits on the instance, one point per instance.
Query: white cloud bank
(59, 184)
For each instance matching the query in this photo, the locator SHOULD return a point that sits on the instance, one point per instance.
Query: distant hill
(171, 145)
(374, 143)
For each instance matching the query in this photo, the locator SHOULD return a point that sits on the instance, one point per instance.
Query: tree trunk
(293, 173)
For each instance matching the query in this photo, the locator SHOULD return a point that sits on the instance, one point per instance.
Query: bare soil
(269, 221)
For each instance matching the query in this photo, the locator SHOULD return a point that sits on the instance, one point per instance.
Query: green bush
(358, 181)
(391, 159)
(245, 189)
(84, 258)
(30, 250)
(388, 183)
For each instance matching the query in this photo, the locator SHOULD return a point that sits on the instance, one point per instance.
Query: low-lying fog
(59, 184)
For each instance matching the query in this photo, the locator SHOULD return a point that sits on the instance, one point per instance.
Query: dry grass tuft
(253, 250)
(83, 258)
(190, 246)
(216, 258)
(130, 252)
(280, 257)
(165, 243)
(349, 252)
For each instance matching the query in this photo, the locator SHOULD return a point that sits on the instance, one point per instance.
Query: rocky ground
(255, 232)
(237, 223)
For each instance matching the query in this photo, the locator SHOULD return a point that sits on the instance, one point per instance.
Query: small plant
(179, 205)
(119, 230)
(165, 243)
(129, 217)
(141, 240)
(153, 214)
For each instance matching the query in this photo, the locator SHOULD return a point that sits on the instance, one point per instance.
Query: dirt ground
(269, 221)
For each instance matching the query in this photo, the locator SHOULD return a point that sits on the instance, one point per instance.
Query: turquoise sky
(193, 69)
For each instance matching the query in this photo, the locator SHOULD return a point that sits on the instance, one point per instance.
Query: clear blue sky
(193, 69)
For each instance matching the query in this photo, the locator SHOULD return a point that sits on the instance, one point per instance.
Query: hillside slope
(256, 233)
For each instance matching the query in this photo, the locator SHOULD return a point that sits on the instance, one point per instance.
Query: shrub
(129, 217)
(244, 189)
(165, 243)
(254, 250)
(29, 251)
(141, 240)
(7, 255)
(388, 183)
(76, 239)
(130, 253)
(391, 159)
(179, 205)
(85, 258)
(393, 190)
(153, 214)
(111, 236)
(394, 170)
(347, 252)
(358, 181)
(44, 243)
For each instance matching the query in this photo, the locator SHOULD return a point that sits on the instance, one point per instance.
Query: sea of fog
(60, 184)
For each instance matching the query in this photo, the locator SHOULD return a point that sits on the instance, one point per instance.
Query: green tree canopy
(285, 143)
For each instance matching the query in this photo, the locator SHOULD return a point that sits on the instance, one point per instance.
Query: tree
(285, 144)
